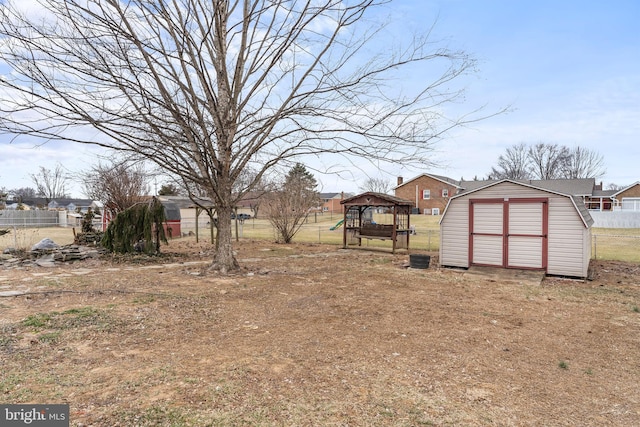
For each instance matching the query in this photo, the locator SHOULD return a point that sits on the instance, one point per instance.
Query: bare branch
(207, 89)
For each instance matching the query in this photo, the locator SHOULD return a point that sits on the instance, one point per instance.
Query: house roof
(330, 195)
(444, 179)
(184, 202)
(625, 189)
(60, 202)
(573, 187)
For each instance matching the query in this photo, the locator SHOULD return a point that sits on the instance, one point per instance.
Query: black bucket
(419, 261)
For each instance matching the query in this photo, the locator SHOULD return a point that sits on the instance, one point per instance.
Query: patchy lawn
(310, 335)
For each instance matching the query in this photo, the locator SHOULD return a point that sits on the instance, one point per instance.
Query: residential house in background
(331, 202)
(627, 199)
(431, 193)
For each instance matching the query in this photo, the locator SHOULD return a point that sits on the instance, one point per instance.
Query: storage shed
(512, 224)
(172, 224)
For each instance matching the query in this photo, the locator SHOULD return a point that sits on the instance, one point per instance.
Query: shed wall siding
(569, 244)
(454, 230)
(566, 239)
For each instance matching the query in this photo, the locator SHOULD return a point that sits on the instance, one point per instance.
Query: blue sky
(570, 70)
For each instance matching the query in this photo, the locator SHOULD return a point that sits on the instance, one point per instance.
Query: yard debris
(47, 253)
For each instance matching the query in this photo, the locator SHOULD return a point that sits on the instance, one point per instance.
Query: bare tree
(207, 88)
(616, 187)
(514, 164)
(289, 206)
(584, 163)
(50, 184)
(548, 161)
(23, 193)
(375, 185)
(119, 186)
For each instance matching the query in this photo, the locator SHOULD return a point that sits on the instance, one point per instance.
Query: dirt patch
(316, 335)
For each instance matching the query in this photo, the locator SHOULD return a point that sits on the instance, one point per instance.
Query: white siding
(454, 235)
(566, 239)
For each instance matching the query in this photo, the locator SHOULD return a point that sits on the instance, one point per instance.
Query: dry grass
(25, 238)
(310, 335)
(608, 244)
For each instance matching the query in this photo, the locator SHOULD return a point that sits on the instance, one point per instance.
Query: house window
(445, 192)
(435, 211)
(426, 194)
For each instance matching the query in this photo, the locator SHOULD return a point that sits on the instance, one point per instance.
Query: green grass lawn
(620, 244)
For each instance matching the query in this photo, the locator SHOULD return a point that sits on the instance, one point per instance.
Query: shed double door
(509, 233)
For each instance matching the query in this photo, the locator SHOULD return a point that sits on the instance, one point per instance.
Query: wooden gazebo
(358, 221)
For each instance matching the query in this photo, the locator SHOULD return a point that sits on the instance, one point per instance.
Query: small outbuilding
(513, 224)
(358, 221)
(172, 224)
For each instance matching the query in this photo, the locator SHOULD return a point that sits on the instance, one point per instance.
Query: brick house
(627, 199)
(331, 202)
(429, 192)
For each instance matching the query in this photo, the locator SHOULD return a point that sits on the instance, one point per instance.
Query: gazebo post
(344, 228)
(198, 211)
(394, 232)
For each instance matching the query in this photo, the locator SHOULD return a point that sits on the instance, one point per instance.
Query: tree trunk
(224, 261)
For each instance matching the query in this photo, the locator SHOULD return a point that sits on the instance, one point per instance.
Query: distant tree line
(547, 161)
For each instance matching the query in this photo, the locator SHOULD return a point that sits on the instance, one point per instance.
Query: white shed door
(509, 233)
(488, 234)
(525, 235)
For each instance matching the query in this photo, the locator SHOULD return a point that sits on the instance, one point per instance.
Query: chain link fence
(619, 247)
(607, 244)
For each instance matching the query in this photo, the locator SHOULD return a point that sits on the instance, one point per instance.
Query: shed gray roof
(571, 187)
(575, 198)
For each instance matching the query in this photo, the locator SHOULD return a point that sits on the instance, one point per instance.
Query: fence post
(595, 246)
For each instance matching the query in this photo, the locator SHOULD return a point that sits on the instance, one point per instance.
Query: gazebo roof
(375, 199)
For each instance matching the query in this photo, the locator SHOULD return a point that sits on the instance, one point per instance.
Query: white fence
(34, 218)
(616, 219)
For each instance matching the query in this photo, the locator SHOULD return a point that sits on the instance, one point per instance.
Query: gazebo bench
(375, 231)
